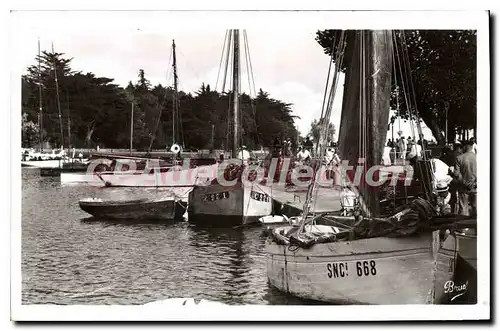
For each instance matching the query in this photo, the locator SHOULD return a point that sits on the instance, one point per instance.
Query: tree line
(442, 68)
(97, 112)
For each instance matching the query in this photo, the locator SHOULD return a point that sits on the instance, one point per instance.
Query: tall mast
(236, 92)
(176, 97)
(57, 96)
(69, 123)
(40, 98)
(131, 126)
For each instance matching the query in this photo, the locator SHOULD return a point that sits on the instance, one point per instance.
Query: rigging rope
(410, 99)
(160, 110)
(221, 59)
(251, 85)
(250, 62)
(228, 57)
(58, 100)
(329, 106)
(324, 128)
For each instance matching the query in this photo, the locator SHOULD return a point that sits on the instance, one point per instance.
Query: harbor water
(69, 258)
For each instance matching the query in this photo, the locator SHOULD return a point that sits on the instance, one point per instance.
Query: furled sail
(365, 111)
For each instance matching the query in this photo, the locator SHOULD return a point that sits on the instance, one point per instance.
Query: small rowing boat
(146, 208)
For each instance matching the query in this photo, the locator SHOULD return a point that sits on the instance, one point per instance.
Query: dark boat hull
(137, 209)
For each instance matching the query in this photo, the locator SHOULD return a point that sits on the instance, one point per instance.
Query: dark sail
(366, 107)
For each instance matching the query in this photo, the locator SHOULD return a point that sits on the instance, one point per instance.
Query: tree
(314, 131)
(442, 65)
(30, 132)
(99, 111)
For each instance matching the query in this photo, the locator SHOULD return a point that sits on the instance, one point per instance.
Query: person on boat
(440, 170)
(308, 144)
(447, 156)
(409, 145)
(416, 150)
(287, 148)
(386, 156)
(329, 155)
(244, 154)
(474, 145)
(402, 148)
(452, 160)
(303, 155)
(392, 152)
(443, 198)
(466, 173)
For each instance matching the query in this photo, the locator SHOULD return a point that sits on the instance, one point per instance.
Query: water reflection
(232, 258)
(131, 222)
(71, 258)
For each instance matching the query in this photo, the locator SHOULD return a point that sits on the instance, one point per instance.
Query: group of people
(455, 174)
(330, 160)
(403, 149)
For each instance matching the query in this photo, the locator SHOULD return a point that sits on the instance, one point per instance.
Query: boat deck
(292, 198)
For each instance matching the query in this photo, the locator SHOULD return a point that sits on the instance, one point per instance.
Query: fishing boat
(231, 197)
(50, 164)
(370, 257)
(178, 173)
(145, 208)
(42, 164)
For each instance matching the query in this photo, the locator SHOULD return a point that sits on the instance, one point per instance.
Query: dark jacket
(465, 171)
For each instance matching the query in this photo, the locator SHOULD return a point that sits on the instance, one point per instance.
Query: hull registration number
(358, 268)
(216, 196)
(260, 196)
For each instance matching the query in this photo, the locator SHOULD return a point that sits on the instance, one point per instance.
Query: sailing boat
(363, 258)
(239, 201)
(154, 174)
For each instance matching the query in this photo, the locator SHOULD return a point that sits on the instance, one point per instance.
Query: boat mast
(176, 97)
(40, 98)
(131, 126)
(69, 124)
(236, 91)
(57, 96)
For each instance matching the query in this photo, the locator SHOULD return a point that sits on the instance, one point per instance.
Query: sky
(287, 61)
(291, 67)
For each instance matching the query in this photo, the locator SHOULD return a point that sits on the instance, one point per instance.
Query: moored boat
(42, 164)
(146, 208)
(238, 201)
(173, 176)
(376, 257)
(380, 270)
(236, 204)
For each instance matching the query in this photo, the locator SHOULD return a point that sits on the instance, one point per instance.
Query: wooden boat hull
(377, 270)
(173, 178)
(467, 248)
(80, 178)
(137, 209)
(466, 271)
(56, 172)
(239, 204)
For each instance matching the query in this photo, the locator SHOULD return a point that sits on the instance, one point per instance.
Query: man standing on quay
(466, 174)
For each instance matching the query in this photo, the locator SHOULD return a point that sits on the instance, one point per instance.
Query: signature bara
(451, 289)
